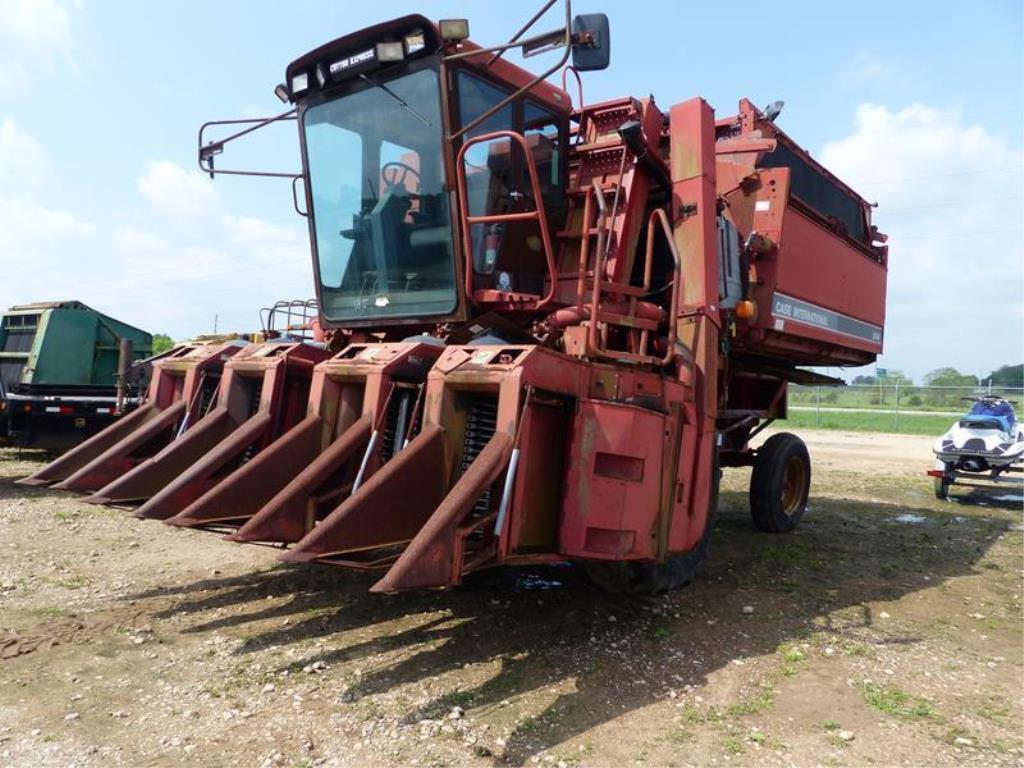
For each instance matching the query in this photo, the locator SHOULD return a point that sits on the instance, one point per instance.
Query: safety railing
(537, 214)
(658, 220)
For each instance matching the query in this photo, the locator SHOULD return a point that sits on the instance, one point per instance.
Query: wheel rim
(793, 481)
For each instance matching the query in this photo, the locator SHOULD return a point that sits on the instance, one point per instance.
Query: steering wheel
(399, 172)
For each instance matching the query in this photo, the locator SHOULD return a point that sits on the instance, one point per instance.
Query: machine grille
(10, 373)
(481, 421)
(255, 393)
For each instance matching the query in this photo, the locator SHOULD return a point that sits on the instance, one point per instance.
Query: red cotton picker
(547, 327)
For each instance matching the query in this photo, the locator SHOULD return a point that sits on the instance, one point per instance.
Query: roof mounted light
(300, 83)
(387, 52)
(321, 75)
(454, 30)
(281, 91)
(415, 42)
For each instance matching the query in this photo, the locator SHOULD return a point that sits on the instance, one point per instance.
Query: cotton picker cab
(549, 323)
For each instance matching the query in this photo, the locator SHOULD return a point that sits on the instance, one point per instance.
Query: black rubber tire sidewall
(767, 479)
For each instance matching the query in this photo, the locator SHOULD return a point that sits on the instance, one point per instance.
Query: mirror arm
(522, 30)
(530, 85)
(208, 151)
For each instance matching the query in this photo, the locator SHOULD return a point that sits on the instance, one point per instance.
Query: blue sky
(918, 106)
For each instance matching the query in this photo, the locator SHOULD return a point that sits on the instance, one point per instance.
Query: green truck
(59, 365)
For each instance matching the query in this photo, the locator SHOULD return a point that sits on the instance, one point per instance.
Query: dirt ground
(886, 630)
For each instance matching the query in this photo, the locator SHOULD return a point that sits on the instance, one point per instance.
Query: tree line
(1004, 376)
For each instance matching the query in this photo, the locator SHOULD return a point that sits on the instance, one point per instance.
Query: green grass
(762, 701)
(793, 658)
(910, 399)
(733, 746)
(75, 581)
(896, 702)
(910, 423)
(694, 714)
(48, 612)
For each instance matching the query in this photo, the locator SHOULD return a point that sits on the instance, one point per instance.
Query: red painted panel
(817, 266)
(613, 484)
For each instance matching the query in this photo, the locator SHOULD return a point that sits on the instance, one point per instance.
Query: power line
(946, 203)
(957, 234)
(943, 175)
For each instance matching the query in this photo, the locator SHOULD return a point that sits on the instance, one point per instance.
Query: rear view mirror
(591, 48)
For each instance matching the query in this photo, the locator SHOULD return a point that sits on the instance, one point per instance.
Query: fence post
(897, 405)
(817, 406)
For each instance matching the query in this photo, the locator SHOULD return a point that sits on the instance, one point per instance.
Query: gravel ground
(886, 630)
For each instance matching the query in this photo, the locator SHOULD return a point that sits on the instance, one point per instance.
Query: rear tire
(780, 483)
(632, 578)
(941, 488)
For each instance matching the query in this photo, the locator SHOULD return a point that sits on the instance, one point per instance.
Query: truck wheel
(630, 578)
(941, 488)
(780, 483)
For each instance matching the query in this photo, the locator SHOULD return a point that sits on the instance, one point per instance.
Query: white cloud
(956, 276)
(39, 246)
(863, 68)
(208, 260)
(186, 198)
(34, 36)
(185, 258)
(24, 164)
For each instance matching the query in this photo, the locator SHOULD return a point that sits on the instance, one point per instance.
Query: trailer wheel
(628, 578)
(780, 483)
(941, 488)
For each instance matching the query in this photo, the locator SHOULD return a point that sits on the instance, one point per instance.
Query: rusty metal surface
(263, 391)
(241, 495)
(429, 560)
(613, 482)
(120, 457)
(199, 477)
(146, 478)
(174, 391)
(388, 509)
(97, 445)
(289, 514)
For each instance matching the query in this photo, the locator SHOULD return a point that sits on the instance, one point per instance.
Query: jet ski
(986, 439)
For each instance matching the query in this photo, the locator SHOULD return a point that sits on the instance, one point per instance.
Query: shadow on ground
(540, 628)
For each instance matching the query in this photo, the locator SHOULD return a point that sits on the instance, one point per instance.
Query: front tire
(780, 483)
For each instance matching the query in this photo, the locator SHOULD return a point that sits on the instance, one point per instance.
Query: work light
(300, 83)
(454, 30)
(414, 42)
(390, 52)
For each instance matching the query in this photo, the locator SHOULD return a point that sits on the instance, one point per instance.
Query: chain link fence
(889, 406)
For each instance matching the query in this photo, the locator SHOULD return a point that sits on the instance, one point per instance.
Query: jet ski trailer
(983, 449)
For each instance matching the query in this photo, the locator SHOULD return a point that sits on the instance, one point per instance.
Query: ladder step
(622, 288)
(575, 234)
(613, 318)
(598, 146)
(608, 188)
